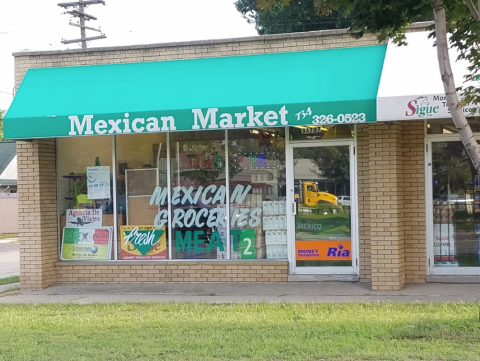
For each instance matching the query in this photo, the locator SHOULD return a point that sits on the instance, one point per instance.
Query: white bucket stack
(275, 226)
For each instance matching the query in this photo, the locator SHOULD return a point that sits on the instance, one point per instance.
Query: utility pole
(77, 9)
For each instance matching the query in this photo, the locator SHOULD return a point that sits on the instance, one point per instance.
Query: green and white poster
(87, 243)
(247, 244)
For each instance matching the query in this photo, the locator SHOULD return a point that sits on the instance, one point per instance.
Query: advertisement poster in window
(98, 182)
(87, 243)
(323, 250)
(143, 243)
(444, 244)
(80, 218)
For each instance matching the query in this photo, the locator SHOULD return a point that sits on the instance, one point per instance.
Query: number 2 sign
(247, 244)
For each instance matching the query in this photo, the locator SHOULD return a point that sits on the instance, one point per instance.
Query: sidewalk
(292, 292)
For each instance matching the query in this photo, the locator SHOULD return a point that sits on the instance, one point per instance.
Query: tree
(297, 16)
(389, 19)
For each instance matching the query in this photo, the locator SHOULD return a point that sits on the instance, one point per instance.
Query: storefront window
(324, 131)
(258, 222)
(456, 207)
(446, 126)
(142, 196)
(85, 197)
(198, 199)
(198, 217)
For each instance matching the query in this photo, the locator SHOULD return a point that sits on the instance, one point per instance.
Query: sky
(40, 25)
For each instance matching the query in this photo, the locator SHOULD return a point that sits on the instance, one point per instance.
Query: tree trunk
(459, 119)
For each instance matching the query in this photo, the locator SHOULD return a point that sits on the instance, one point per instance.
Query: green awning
(295, 89)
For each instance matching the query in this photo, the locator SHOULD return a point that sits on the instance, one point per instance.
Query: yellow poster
(143, 243)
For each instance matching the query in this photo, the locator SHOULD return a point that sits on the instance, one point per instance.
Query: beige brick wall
(363, 203)
(413, 189)
(391, 193)
(193, 50)
(37, 213)
(173, 271)
(386, 211)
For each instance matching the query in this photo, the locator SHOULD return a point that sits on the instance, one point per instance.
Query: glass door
(322, 208)
(454, 209)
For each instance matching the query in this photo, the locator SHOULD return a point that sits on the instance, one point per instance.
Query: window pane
(198, 195)
(446, 126)
(257, 194)
(85, 191)
(141, 183)
(456, 207)
(323, 224)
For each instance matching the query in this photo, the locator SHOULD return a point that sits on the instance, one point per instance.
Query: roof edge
(415, 26)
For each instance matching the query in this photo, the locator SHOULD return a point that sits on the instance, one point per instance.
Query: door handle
(294, 208)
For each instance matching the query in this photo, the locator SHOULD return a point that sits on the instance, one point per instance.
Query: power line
(78, 11)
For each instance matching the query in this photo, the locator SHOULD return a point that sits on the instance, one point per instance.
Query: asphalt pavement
(9, 258)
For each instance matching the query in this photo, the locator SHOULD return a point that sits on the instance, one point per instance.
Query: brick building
(260, 159)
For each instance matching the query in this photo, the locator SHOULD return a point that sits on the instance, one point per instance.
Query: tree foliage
(389, 19)
(296, 16)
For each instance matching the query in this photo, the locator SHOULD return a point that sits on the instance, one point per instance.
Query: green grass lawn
(4, 236)
(7, 280)
(271, 332)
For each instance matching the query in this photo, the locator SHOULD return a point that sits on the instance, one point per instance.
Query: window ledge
(452, 279)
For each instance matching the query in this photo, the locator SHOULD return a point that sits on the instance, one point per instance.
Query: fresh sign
(143, 243)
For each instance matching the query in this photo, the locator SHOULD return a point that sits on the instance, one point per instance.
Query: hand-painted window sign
(243, 240)
(207, 213)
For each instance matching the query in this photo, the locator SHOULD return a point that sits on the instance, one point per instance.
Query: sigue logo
(421, 106)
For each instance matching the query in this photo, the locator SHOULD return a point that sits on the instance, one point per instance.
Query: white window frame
(289, 146)
(431, 268)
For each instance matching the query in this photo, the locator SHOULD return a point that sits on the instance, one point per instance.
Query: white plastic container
(275, 208)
